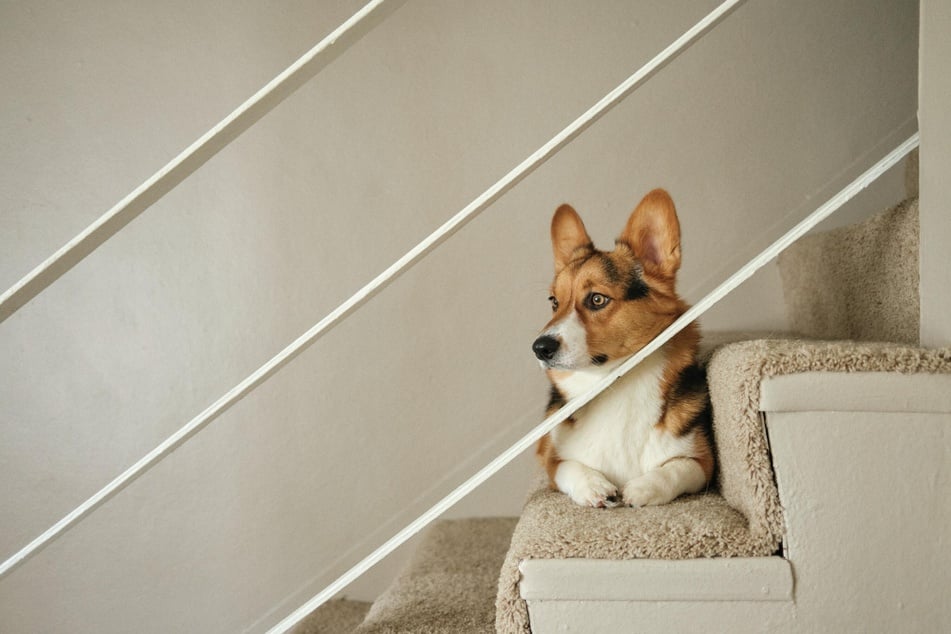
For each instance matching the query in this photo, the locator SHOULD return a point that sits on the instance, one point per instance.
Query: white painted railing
(196, 155)
(262, 103)
(383, 280)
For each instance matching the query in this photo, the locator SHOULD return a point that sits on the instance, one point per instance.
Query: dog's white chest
(616, 433)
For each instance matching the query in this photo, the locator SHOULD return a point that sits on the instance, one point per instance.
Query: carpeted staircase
(856, 283)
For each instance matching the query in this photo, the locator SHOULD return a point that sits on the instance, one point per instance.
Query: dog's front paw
(593, 489)
(648, 490)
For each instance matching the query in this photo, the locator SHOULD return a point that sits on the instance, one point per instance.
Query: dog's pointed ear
(653, 233)
(567, 236)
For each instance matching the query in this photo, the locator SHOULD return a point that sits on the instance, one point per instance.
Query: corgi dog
(647, 439)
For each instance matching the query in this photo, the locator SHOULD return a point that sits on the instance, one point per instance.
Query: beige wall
(934, 92)
(748, 130)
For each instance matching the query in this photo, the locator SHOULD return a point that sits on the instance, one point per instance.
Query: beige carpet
(858, 282)
(746, 520)
(553, 527)
(339, 616)
(450, 584)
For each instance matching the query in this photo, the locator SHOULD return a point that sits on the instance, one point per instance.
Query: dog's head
(608, 305)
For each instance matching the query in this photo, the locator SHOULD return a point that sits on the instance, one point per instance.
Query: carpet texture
(449, 586)
(744, 518)
(858, 282)
(339, 616)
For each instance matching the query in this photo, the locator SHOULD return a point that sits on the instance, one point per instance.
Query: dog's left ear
(653, 233)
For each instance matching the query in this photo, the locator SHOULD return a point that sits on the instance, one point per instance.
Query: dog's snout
(545, 347)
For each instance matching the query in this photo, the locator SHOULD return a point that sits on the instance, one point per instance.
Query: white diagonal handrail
(383, 280)
(196, 155)
(572, 406)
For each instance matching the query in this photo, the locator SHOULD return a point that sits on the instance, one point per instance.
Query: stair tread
(703, 525)
(450, 584)
(554, 527)
(334, 617)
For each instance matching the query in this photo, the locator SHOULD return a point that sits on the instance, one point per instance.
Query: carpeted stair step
(858, 282)
(339, 616)
(553, 527)
(450, 584)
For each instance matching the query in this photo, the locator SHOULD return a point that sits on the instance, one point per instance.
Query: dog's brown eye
(596, 301)
(554, 303)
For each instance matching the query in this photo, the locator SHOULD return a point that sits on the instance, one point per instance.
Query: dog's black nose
(545, 347)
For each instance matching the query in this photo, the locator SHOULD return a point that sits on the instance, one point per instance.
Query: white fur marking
(616, 436)
(573, 340)
(664, 484)
(584, 485)
(612, 432)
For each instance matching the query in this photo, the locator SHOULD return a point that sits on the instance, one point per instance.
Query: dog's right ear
(568, 235)
(653, 233)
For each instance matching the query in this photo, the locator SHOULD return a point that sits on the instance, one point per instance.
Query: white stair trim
(724, 579)
(858, 392)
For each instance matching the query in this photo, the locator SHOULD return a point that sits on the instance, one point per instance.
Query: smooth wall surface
(935, 208)
(749, 131)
